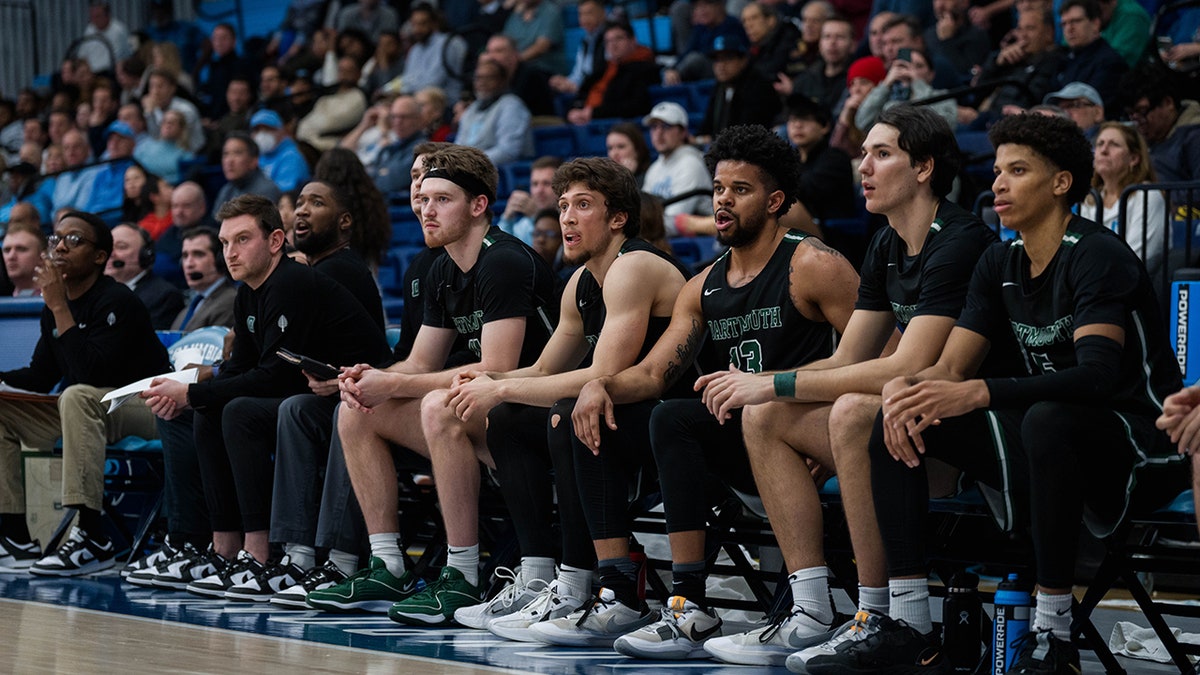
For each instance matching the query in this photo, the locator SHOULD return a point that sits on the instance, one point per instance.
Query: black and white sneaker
(273, 578)
(78, 555)
(234, 572)
(318, 578)
(162, 555)
(187, 566)
(1041, 653)
(17, 557)
(893, 648)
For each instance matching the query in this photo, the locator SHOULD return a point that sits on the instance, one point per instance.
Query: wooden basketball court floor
(101, 625)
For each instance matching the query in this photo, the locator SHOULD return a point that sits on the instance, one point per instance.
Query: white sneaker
(78, 555)
(770, 645)
(16, 556)
(273, 578)
(550, 604)
(517, 594)
(679, 634)
(856, 630)
(598, 623)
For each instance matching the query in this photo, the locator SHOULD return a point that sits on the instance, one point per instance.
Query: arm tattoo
(684, 353)
(823, 247)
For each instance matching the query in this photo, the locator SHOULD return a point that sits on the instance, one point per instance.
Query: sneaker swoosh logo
(931, 659)
(702, 635)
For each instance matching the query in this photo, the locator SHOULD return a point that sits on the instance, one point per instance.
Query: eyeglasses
(1076, 104)
(72, 240)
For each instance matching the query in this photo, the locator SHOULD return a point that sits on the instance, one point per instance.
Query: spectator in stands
(754, 175)
(188, 210)
(626, 145)
(239, 163)
(612, 312)
(1126, 27)
(212, 291)
(590, 56)
(161, 98)
(335, 114)
(372, 230)
(386, 64)
(58, 122)
(23, 247)
(132, 264)
(1081, 425)
(108, 179)
(547, 237)
(165, 56)
(301, 20)
(907, 80)
(278, 155)
(522, 206)
(164, 28)
(1090, 59)
(435, 58)
(12, 131)
(1082, 103)
(497, 121)
(1169, 123)
(709, 21)
(621, 87)
(1032, 56)
(158, 220)
(55, 160)
(863, 76)
(215, 72)
(826, 188)
(130, 73)
(679, 169)
(773, 42)
(741, 94)
(432, 102)
(371, 133)
(825, 80)
(239, 99)
(137, 190)
(272, 86)
(162, 155)
(372, 17)
(391, 168)
(536, 29)
(131, 114)
(95, 336)
(28, 188)
(73, 188)
(109, 41)
(508, 289)
(525, 80)
(1122, 159)
(103, 113)
(294, 308)
(954, 40)
(813, 16)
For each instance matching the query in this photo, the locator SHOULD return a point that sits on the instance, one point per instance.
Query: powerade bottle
(1013, 604)
(962, 616)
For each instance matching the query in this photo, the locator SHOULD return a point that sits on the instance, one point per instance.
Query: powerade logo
(1181, 328)
(1000, 642)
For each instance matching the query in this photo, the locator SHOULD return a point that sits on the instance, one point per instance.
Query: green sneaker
(371, 590)
(436, 604)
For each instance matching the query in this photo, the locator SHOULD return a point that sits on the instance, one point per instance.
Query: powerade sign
(1184, 325)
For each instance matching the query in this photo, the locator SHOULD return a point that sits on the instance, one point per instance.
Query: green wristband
(785, 385)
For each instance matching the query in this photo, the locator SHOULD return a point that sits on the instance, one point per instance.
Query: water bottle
(962, 616)
(1013, 604)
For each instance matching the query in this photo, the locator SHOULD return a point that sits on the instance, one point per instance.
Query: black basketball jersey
(589, 300)
(1093, 278)
(756, 327)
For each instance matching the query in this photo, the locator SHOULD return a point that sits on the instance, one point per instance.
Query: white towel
(1130, 639)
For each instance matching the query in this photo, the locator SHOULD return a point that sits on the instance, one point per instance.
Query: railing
(1180, 218)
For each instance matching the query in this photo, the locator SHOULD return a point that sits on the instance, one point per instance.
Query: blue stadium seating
(558, 141)
(19, 324)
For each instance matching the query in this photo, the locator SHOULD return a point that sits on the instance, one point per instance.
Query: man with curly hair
(772, 301)
(1064, 436)
(915, 279)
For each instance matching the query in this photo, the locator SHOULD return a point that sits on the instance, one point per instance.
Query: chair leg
(1154, 616)
(143, 533)
(61, 530)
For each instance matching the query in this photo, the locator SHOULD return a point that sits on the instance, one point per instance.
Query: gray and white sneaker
(679, 634)
(188, 567)
(598, 623)
(236, 571)
(273, 578)
(862, 626)
(318, 578)
(149, 562)
(517, 594)
(17, 557)
(550, 604)
(770, 645)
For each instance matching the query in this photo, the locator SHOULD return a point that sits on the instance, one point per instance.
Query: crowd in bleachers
(317, 141)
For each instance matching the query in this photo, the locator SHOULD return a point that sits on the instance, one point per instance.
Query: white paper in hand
(117, 397)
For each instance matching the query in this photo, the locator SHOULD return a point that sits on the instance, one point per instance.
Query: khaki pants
(86, 428)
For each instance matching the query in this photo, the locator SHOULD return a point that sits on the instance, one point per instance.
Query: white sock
(575, 582)
(386, 547)
(810, 592)
(873, 599)
(346, 562)
(1053, 614)
(301, 555)
(465, 560)
(909, 602)
(533, 567)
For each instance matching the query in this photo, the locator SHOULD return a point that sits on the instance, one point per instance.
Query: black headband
(464, 180)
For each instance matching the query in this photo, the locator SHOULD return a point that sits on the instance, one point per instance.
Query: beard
(745, 230)
(317, 242)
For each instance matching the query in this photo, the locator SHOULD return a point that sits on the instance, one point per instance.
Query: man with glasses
(1082, 103)
(1090, 58)
(497, 122)
(95, 336)
(1170, 125)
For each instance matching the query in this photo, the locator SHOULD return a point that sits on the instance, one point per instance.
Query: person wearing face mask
(278, 155)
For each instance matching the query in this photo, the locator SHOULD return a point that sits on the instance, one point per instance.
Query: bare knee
(850, 422)
(767, 420)
(437, 418)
